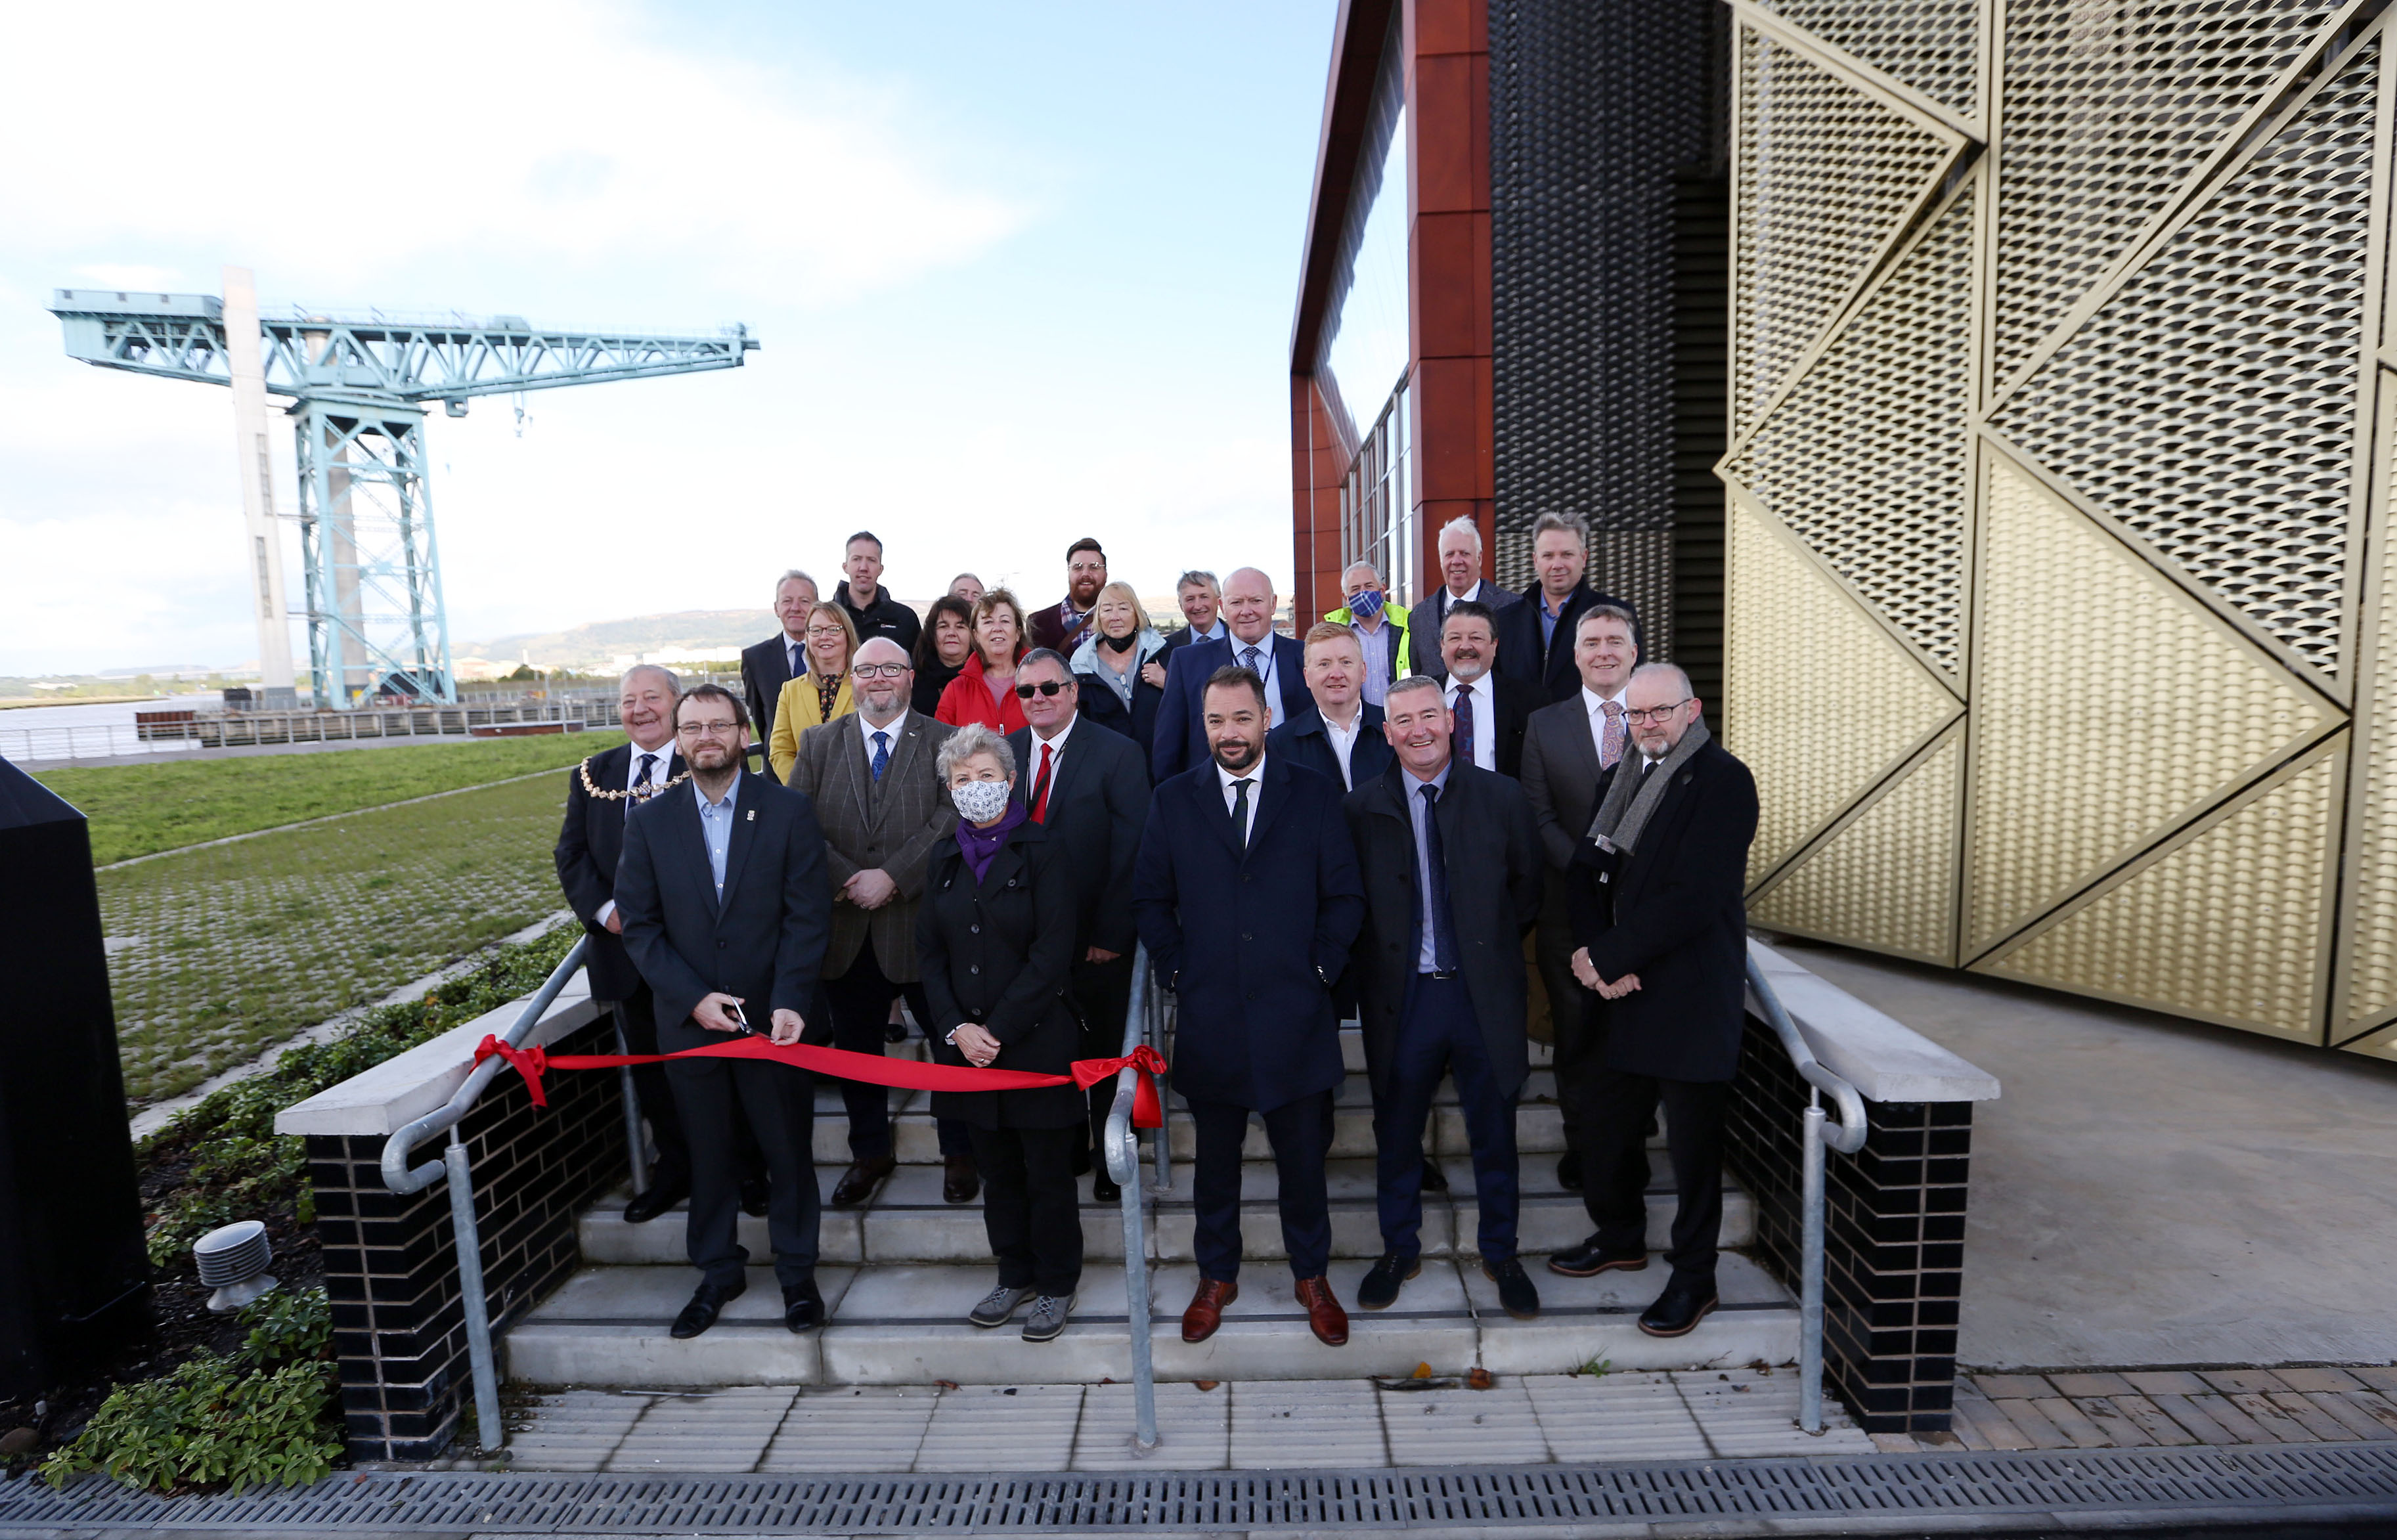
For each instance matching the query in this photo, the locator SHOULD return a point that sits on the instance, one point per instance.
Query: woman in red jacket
(984, 691)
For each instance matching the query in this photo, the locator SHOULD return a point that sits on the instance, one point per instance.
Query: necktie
(641, 782)
(1248, 659)
(1464, 728)
(1240, 813)
(1040, 786)
(1611, 749)
(1436, 909)
(798, 665)
(881, 753)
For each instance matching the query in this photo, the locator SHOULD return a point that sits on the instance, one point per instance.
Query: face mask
(979, 801)
(1119, 644)
(1366, 605)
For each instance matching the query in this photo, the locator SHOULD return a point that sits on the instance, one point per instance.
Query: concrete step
(893, 1324)
(906, 1220)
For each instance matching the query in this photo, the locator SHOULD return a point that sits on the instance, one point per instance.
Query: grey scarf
(1632, 797)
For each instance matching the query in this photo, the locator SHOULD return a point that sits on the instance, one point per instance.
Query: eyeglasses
(708, 730)
(1661, 715)
(822, 632)
(880, 671)
(1046, 687)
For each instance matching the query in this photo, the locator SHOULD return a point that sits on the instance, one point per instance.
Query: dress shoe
(803, 1306)
(1569, 1171)
(1104, 1190)
(1206, 1311)
(1589, 1259)
(857, 1182)
(1516, 1295)
(1434, 1179)
(1678, 1310)
(707, 1302)
(1324, 1316)
(960, 1182)
(1380, 1289)
(660, 1197)
(753, 1194)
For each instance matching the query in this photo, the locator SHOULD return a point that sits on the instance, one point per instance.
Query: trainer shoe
(997, 1307)
(1048, 1318)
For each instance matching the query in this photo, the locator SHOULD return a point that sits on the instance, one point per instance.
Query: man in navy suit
(1248, 898)
(1536, 640)
(778, 659)
(1339, 736)
(1279, 660)
(727, 906)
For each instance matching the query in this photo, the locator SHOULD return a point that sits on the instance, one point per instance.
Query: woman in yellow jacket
(820, 694)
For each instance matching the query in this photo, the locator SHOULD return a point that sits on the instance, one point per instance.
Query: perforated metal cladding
(2109, 708)
(1866, 457)
(1796, 644)
(2229, 926)
(2211, 402)
(1825, 176)
(2369, 992)
(1888, 879)
(2108, 105)
(1638, 565)
(1930, 45)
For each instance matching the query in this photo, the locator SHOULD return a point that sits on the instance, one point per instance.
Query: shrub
(288, 1325)
(215, 1421)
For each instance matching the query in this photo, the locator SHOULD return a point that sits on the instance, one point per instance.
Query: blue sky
(1023, 272)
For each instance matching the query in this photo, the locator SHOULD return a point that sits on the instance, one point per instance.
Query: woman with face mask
(1109, 663)
(942, 650)
(995, 936)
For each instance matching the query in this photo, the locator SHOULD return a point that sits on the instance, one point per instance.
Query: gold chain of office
(638, 794)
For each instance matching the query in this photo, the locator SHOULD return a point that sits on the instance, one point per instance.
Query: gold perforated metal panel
(2210, 404)
(2228, 926)
(2368, 987)
(2108, 107)
(1790, 632)
(2112, 708)
(1887, 879)
(1866, 457)
(1932, 46)
(1826, 176)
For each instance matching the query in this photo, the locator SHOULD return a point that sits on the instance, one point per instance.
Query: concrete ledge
(399, 1091)
(1886, 1060)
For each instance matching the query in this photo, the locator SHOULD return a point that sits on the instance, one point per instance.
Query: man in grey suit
(1569, 750)
(870, 776)
(1460, 573)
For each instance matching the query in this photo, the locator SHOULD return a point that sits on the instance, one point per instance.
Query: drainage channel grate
(2346, 1476)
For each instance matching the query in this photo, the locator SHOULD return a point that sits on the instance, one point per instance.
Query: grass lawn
(220, 952)
(138, 810)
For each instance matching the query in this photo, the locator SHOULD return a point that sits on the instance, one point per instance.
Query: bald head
(881, 688)
(1248, 603)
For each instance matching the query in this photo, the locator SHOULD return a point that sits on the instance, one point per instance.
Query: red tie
(1040, 788)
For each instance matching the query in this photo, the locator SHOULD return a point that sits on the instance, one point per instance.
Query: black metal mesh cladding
(2351, 1479)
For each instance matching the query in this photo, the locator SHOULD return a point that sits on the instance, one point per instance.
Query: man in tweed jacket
(883, 809)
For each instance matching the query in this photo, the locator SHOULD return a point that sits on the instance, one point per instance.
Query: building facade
(2031, 477)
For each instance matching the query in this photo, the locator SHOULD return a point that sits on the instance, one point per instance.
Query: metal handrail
(1122, 1151)
(1847, 1136)
(453, 1169)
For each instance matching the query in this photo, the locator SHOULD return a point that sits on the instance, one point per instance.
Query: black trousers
(1030, 1207)
(780, 1105)
(1576, 1021)
(1102, 993)
(1299, 1131)
(1617, 1110)
(636, 1021)
(1440, 1035)
(860, 1001)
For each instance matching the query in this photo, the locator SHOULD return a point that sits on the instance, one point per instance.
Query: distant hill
(683, 632)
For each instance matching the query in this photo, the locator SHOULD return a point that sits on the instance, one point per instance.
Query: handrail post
(633, 1150)
(1121, 1153)
(1809, 1294)
(469, 1239)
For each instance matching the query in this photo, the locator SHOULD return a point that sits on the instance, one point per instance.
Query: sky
(1021, 274)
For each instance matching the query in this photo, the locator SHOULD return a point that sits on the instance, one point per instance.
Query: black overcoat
(997, 953)
(589, 843)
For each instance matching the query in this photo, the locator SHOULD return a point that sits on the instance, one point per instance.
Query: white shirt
(1595, 705)
(1255, 776)
(889, 730)
(1485, 692)
(1447, 598)
(1029, 772)
(634, 782)
(1344, 743)
(1274, 712)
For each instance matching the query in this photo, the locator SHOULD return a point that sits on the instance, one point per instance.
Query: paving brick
(2165, 1382)
(2319, 1423)
(1991, 1424)
(2197, 1419)
(2072, 1424)
(2152, 1421)
(2353, 1411)
(2121, 1431)
(2318, 1379)
(2378, 1376)
(2013, 1388)
(2034, 1426)
(2277, 1424)
(2252, 1381)
(2234, 1420)
(2078, 1385)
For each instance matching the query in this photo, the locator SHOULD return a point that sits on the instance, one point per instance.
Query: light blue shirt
(1375, 645)
(715, 828)
(1427, 950)
(1264, 669)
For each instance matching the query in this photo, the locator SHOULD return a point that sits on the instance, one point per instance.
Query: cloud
(350, 151)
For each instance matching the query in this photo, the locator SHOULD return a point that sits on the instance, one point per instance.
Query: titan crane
(359, 387)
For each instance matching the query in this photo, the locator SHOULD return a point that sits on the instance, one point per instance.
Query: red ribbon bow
(526, 1062)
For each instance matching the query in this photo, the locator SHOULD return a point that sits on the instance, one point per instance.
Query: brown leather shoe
(960, 1182)
(1206, 1310)
(857, 1182)
(1324, 1316)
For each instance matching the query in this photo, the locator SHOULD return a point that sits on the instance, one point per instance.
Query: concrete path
(2156, 1193)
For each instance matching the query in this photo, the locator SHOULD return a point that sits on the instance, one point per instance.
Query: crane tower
(359, 387)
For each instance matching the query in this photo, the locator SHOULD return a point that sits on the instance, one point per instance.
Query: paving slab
(1329, 1424)
(704, 1431)
(837, 1430)
(571, 1429)
(1615, 1417)
(607, 1326)
(1748, 1415)
(1595, 1320)
(1193, 1429)
(1464, 1426)
(1002, 1427)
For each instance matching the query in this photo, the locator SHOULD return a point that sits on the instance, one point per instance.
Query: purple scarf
(980, 846)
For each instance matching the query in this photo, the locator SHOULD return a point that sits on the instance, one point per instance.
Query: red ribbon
(1147, 1112)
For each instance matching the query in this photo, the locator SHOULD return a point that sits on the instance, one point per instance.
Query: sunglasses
(1046, 687)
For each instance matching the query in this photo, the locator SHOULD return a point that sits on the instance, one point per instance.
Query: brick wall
(1893, 1236)
(391, 1262)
